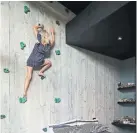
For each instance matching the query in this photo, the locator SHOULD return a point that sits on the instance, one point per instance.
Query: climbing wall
(85, 81)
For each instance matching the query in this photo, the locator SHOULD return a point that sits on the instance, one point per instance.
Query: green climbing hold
(42, 77)
(57, 52)
(22, 100)
(57, 100)
(22, 45)
(6, 70)
(2, 116)
(26, 9)
(45, 129)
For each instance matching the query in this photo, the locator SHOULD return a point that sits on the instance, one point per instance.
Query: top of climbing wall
(58, 9)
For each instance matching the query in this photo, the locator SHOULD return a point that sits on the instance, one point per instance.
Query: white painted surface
(85, 81)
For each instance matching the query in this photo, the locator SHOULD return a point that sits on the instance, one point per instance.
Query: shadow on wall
(127, 129)
(99, 57)
(128, 90)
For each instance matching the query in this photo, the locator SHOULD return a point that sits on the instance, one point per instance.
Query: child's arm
(52, 39)
(35, 29)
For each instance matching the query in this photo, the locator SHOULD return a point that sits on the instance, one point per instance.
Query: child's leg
(47, 64)
(28, 79)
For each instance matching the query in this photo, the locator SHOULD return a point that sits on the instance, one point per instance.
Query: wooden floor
(85, 81)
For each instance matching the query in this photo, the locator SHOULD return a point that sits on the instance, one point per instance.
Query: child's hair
(44, 37)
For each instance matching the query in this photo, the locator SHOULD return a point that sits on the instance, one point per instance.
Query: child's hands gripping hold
(41, 26)
(52, 30)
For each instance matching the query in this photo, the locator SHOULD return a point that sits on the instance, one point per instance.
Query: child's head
(44, 36)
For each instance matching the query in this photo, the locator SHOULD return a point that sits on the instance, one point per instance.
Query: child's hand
(52, 30)
(40, 26)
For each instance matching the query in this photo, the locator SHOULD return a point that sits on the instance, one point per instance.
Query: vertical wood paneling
(5, 61)
(85, 81)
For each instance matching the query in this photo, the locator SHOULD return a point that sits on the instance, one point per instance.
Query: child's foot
(42, 75)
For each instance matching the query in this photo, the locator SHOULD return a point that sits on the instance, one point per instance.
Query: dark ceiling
(113, 34)
(75, 6)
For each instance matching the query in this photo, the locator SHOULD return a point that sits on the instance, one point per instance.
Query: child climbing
(38, 56)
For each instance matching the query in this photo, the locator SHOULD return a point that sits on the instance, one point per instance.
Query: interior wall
(127, 71)
(85, 81)
(128, 75)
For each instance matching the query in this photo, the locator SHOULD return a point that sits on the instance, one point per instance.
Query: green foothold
(42, 77)
(57, 100)
(6, 70)
(57, 52)
(2, 116)
(26, 9)
(45, 129)
(22, 45)
(20, 100)
(23, 100)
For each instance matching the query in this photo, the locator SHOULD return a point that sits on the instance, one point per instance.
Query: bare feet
(41, 74)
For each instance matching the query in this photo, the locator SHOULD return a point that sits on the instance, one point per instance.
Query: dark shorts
(34, 63)
(37, 57)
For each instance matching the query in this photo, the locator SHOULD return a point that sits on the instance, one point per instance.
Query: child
(37, 58)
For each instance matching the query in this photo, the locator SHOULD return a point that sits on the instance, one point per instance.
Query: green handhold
(6, 70)
(2, 116)
(22, 45)
(26, 9)
(57, 52)
(57, 100)
(45, 129)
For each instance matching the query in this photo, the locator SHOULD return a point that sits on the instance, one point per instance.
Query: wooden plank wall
(85, 81)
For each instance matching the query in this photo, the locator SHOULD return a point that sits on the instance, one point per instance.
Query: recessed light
(119, 38)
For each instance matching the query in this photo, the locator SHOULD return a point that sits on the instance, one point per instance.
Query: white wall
(85, 81)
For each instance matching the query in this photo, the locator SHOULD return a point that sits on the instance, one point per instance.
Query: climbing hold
(22, 100)
(42, 77)
(57, 22)
(57, 100)
(26, 9)
(6, 70)
(2, 116)
(57, 52)
(22, 45)
(41, 27)
(45, 129)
